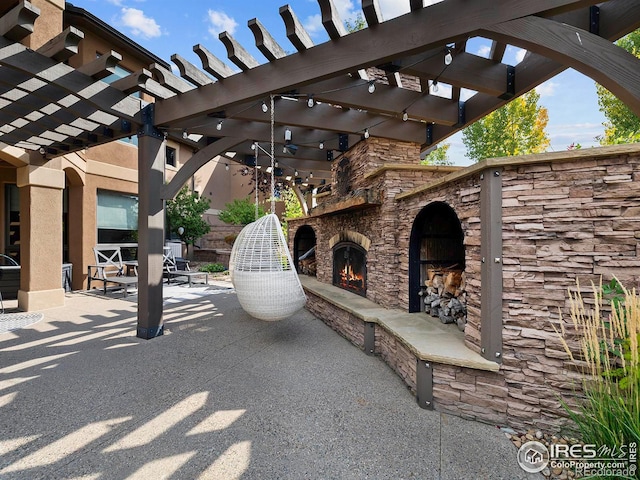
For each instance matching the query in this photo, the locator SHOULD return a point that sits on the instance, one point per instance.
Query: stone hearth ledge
(425, 337)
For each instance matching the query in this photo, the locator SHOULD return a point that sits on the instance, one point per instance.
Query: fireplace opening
(350, 267)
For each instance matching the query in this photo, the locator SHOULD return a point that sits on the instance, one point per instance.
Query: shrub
(240, 212)
(609, 353)
(212, 268)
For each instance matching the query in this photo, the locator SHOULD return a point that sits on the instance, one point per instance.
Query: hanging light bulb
(310, 174)
(366, 133)
(219, 126)
(405, 116)
(226, 167)
(372, 86)
(287, 135)
(265, 109)
(310, 101)
(321, 146)
(448, 58)
(284, 149)
(185, 135)
(276, 164)
(253, 146)
(434, 86)
(295, 172)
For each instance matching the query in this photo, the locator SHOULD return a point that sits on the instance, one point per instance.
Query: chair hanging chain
(273, 181)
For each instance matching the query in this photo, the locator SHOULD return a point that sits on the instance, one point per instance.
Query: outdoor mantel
(425, 337)
(358, 200)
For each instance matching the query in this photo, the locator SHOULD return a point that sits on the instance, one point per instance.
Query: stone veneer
(566, 216)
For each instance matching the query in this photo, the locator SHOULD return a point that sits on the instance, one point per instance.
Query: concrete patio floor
(220, 395)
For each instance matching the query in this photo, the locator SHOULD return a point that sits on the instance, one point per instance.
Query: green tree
(438, 156)
(623, 125)
(517, 128)
(185, 211)
(240, 212)
(356, 24)
(292, 207)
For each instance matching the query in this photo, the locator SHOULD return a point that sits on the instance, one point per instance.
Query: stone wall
(566, 216)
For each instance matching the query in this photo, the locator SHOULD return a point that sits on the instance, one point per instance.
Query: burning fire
(351, 280)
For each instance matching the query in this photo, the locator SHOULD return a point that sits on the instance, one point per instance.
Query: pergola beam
(18, 22)
(422, 30)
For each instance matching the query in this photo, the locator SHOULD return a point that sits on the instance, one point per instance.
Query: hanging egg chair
(262, 272)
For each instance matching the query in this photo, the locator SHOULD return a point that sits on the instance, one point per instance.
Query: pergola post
(151, 159)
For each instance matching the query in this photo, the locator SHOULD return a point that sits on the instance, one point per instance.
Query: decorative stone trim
(350, 236)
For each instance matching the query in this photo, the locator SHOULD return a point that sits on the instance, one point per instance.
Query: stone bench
(408, 342)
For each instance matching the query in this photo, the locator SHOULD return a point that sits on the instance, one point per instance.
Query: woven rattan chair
(262, 273)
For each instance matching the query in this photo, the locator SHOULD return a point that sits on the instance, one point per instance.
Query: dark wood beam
(101, 67)
(199, 159)
(237, 53)
(296, 33)
(422, 30)
(62, 46)
(18, 22)
(97, 93)
(331, 19)
(372, 12)
(212, 64)
(190, 72)
(168, 80)
(386, 99)
(265, 42)
(609, 65)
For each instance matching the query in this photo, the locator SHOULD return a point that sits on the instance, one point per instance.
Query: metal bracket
(148, 128)
(424, 384)
(370, 338)
(594, 20)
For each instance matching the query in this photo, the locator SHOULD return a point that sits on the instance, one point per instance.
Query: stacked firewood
(307, 263)
(445, 296)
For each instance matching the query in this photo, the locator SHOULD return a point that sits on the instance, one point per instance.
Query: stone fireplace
(350, 267)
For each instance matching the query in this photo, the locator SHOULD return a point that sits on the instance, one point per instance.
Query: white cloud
(520, 55)
(547, 89)
(221, 22)
(484, 51)
(115, 2)
(313, 25)
(140, 24)
(393, 8)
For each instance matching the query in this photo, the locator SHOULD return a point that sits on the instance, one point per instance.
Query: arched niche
(437, 242)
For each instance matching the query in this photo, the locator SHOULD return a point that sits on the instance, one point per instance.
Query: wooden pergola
(51, 109)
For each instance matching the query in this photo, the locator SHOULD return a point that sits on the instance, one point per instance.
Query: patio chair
(179, 267)
(109, 268)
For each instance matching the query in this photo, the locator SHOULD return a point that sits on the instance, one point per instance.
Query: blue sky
(166, 27)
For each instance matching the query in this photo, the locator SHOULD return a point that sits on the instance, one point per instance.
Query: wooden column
(151, 159)
(40, 237)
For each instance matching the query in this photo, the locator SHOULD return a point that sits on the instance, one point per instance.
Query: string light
(310, 174)
(185, 135)
(295, 172)
(265, 109)
(310, 102)
(284, 149)
(434, 86)
(366, 133)
(226, 167)
(219, 126)
(253, 146)
(321, 146)
(448, 58)
(405, 116)
(372, 86)
(287, 135)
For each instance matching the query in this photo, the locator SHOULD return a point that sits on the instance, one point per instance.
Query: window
(120, 72)
(170, 155)
(117, 217)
